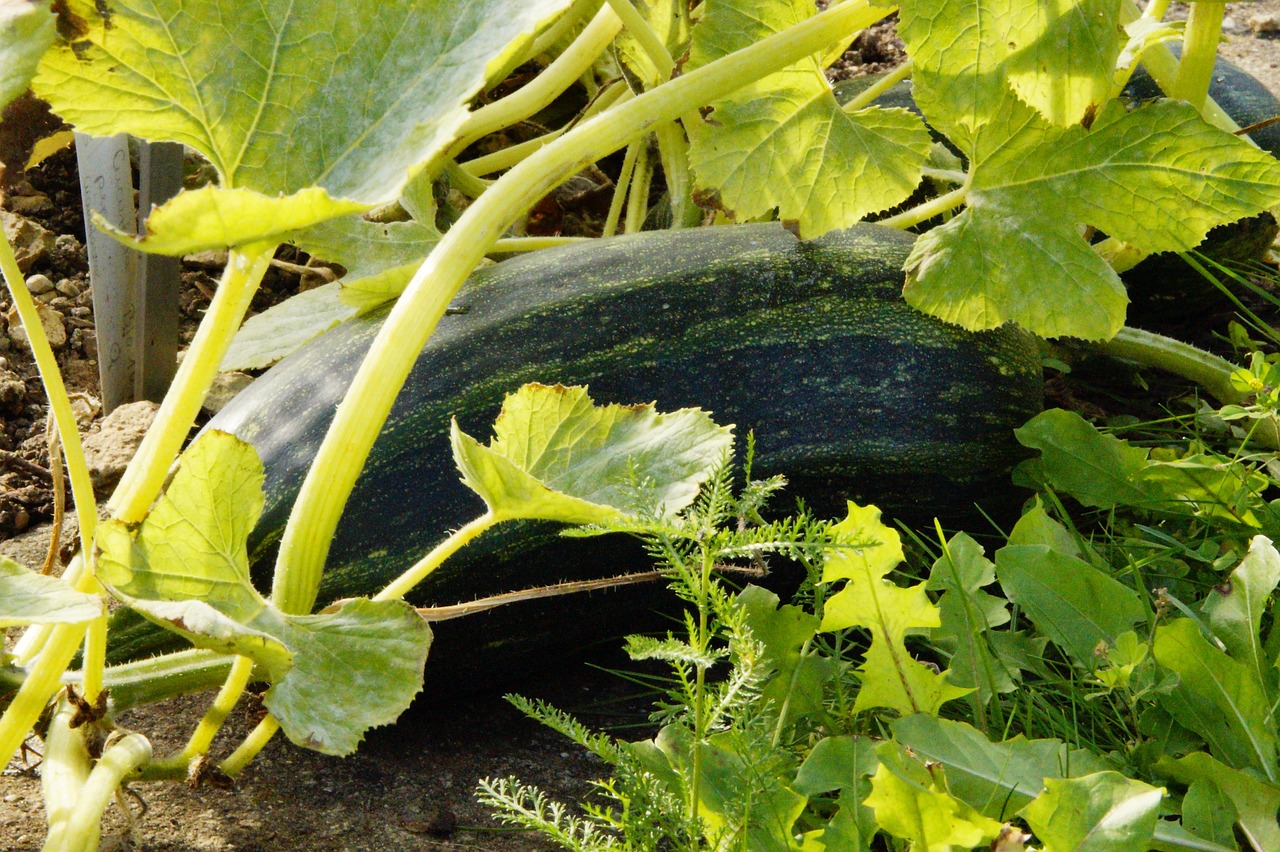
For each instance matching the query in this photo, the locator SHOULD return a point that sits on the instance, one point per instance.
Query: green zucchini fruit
(850, 393)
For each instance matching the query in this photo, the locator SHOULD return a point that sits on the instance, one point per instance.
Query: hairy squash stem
(58, 645)
(248, 750)
(401, 585)
(878, 88)
(638, 194)
(219, 710)
(673, 148)
(620, 189)
(83, 825)
(546, 87)
(145, 475)
(360, 416)
(1182, 359)
(64, 771)
(56, 391)
(1199, 51)
(542, 43)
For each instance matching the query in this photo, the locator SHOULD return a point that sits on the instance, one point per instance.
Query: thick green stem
(1199, 52)
(519, 245)
(360, 417)
(41, 683)
(155, 679)
(146, 474)
(542, 43)
(121, 759)
(64, 771)
(1182, 359)
(252, 745)
(1163, 67)
(638, 195)
(620, 190)
(879, 87)
(400, 586)
(223, 703)
(1207, 370)
(924, 212)
(56, 392)
(546, 87)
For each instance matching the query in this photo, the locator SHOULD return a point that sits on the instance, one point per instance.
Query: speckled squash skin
(851, 394)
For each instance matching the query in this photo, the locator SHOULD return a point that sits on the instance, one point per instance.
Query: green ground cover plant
(878, 709)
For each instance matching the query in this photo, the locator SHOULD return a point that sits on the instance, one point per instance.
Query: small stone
(50, 320)
(109, 450)
(31, 242)
(38, 284)
(60, 303)
(67, 243)
(13, 391)
(29, 205)
(1265, 22)
(225, 387)
(89, 344)
(68, 288)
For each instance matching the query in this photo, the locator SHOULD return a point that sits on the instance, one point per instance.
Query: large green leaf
(1069, 67)
(30, 598)
(26, 31)
(912, 802)
(998, 779)
(1217, 697)
(1067, 599)
(783, 141)
(1158, 178)
(959, 50)
(334, 674)
(557, 456)
(1257, 802)
(1104, 812)
(284, 96)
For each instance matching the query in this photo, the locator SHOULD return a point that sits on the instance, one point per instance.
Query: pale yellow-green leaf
(27, 597)
(27, 30)
(784, 143)
(211, 218)
(334, 674)
(912, 803)
(283, 96)
(267, 337)
(1069, 66)
(557, 456)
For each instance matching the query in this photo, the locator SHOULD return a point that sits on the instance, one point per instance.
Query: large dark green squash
(851, 394)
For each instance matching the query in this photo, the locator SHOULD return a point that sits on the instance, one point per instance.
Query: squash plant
(314, 118)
